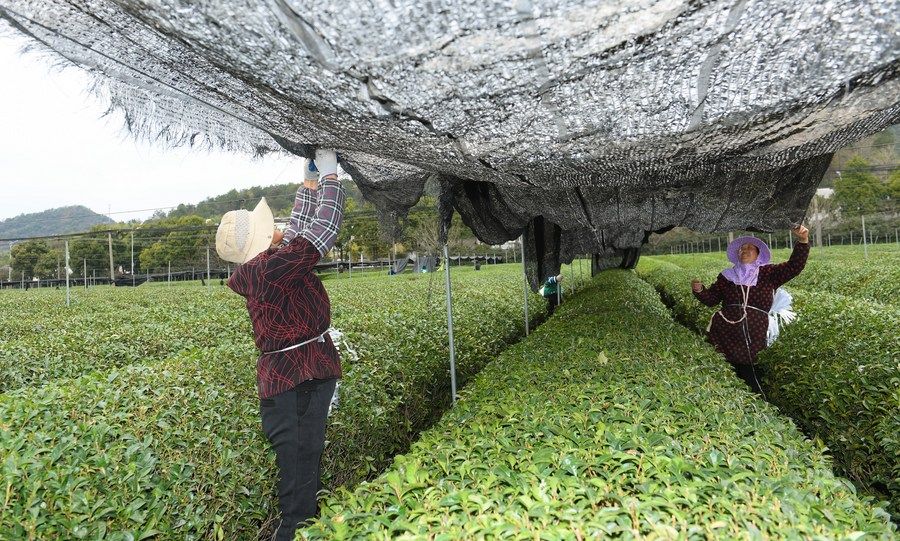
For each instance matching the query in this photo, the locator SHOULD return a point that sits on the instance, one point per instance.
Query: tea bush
(609, 421)
(835, 371)
(105, 328)
(171, 448)
(839, 269)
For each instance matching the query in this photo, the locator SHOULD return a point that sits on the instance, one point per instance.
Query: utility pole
(112, 271)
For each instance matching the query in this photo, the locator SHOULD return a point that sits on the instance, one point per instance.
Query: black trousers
(552, 303)
(294, 423)
(751, 374)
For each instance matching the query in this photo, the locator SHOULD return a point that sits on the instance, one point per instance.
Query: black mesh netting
(582, 125)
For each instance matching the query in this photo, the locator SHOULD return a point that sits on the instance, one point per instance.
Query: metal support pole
(112, 271)
(790, 241)
(68, 299)
(450, 327)
(208, 274)
(85, 274)
(169, 276)
(132, 258)
(865, 242)
(525, 286)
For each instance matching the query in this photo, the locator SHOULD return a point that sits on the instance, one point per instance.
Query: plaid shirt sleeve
(322, 231)
(305, 204)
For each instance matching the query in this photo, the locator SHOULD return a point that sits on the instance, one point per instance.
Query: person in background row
(551, 291)
(746, 291)
(299, 365)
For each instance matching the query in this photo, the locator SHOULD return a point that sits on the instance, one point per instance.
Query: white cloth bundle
(347, 351)
(779, 314)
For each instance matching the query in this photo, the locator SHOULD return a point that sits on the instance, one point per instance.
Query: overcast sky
(56, 150)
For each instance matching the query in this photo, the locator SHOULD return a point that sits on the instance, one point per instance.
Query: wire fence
(862, 231)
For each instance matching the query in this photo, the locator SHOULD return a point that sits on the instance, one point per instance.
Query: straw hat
(243, 234)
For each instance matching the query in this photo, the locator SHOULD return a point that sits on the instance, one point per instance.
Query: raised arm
(305, 203)
(318, 237)
(784, 272)
(322, 231)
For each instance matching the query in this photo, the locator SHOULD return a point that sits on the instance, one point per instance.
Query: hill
(279, 196)
(58, 221)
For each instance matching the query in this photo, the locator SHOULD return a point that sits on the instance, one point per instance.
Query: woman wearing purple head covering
(746, 290)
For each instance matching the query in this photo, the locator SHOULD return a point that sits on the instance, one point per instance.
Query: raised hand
(801, 232)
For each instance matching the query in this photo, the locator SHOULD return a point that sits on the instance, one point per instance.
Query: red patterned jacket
(286, 300)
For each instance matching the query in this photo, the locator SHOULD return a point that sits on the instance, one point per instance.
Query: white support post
(865, 242)
(68, 299)
(132, 259)
(112, 269)
(450, 326)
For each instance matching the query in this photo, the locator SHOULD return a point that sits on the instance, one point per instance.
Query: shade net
(583, 126)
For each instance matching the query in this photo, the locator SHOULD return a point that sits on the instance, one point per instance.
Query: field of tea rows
(133, 404)
(836, 369)
(133, 415)
(611, 420)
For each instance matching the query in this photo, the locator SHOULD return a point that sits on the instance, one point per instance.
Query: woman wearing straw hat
(299, 366)
(746, 290)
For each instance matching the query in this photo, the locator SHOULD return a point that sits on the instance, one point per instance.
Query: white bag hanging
(780, 314)
(347, 352)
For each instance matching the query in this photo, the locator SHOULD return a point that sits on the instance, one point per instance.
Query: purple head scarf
(745, 274)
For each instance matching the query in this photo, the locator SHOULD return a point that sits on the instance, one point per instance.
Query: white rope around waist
(319, 338)
(780, 312)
